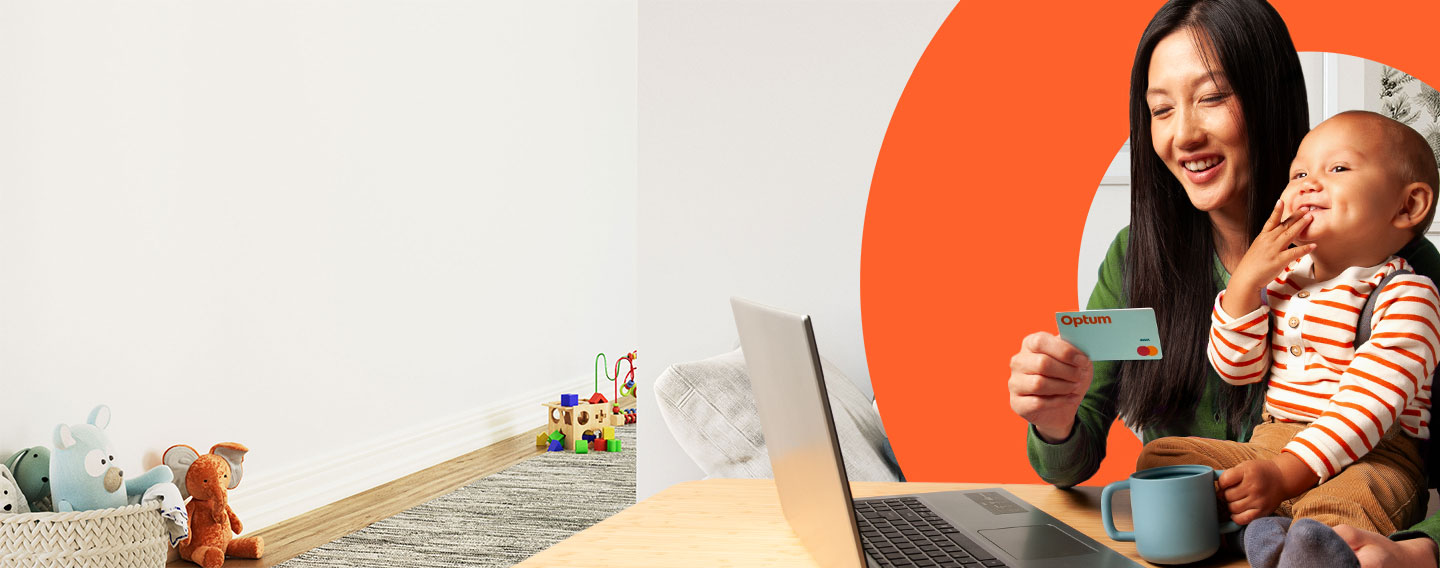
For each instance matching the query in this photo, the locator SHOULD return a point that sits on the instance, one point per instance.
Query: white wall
(759, 128)
(359, 236)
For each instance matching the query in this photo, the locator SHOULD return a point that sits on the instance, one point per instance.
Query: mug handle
(1228, 526)
(1106, 517)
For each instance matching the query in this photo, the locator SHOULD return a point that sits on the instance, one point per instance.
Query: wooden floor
(291, 538)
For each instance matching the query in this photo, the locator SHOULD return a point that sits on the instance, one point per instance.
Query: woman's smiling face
(1196, 125)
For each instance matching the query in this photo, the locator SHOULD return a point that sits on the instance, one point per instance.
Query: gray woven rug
(496, 521)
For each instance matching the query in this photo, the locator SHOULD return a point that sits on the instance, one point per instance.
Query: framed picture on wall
(1399, 95)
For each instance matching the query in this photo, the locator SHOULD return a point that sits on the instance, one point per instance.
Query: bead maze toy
(589, 425)
(623, 391)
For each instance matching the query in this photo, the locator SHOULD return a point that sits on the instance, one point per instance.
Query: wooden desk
(738, 522)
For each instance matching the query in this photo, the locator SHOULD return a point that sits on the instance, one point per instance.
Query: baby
(1340, 438)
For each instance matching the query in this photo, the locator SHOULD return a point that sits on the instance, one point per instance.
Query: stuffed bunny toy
(213, 524)
(11, 499)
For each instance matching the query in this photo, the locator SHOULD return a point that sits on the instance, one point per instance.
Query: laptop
(953, 529)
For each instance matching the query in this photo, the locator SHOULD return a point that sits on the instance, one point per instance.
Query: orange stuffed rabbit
(213, 524)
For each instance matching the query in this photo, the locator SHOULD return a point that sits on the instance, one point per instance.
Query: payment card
(1112, 335)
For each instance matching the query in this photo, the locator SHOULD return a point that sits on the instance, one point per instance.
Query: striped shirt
(1350, 396)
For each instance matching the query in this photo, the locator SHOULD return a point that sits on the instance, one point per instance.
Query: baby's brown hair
(1415, 160)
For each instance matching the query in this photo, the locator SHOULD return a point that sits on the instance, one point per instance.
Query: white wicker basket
(123, 537)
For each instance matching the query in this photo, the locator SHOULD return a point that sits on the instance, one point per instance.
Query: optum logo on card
(1083, 320)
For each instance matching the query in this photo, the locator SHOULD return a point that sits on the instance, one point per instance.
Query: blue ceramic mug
(1174, 513)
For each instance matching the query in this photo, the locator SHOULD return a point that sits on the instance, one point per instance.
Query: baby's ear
(1418, 198)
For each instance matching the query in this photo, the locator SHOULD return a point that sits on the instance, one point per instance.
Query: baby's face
(1343, 176)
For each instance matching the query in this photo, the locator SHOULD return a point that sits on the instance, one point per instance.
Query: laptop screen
(784, 367)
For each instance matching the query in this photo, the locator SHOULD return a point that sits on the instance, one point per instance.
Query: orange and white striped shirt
(1350, 396)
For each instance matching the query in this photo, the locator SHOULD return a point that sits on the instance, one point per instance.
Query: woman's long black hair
(1170, 264)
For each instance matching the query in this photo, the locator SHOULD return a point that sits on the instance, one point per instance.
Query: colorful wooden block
(612, 446)
(599, 445)
(569, 400)
(577, 421)
(542, 440)
(582, 449)
(555, 446)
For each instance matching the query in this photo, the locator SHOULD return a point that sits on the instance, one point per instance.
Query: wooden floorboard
(291, 538)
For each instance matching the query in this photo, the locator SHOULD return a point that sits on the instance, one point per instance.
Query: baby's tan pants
(1382, 492)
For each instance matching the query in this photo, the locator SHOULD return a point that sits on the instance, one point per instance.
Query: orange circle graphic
(980, 195)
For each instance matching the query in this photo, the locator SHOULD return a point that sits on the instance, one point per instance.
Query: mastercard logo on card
(1112, 335)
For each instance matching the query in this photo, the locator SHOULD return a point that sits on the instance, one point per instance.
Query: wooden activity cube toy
(578, 420)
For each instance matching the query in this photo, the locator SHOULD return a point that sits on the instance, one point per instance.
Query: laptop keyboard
(903, 532)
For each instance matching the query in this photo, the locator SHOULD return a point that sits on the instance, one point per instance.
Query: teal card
(1112, 335)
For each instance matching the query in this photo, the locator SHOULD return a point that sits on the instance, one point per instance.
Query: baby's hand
(1266, 257)
(1252, 490)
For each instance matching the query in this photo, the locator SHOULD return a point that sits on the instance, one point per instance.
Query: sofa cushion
(710, 409)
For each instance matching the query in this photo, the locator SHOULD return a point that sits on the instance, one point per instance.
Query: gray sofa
(710, 410)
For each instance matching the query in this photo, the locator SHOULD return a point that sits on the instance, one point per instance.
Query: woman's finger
(1371, 549)
(1059, 349)
(1352, 536)
(1044, 365)
(1029, 407)
(1040, 385)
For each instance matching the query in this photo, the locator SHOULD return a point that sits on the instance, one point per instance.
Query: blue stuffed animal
(83, 475)
(31, 467)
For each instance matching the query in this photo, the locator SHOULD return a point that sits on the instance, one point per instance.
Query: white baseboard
(271, 497)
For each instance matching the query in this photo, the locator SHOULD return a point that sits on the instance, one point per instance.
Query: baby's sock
(1312, 543)
(1265, 540)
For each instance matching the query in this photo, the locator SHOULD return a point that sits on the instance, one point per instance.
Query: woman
(1217, 110)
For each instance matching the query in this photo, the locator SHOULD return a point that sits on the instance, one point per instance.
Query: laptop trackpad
(1036, 541)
